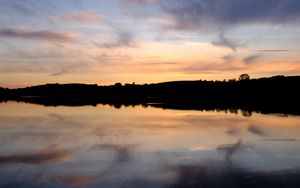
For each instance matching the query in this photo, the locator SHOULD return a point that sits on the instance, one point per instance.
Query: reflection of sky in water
(135, 147)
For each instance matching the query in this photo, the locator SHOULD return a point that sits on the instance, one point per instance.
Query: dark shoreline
(278, 94)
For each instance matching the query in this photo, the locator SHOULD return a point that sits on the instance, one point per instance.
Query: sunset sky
(146, 41)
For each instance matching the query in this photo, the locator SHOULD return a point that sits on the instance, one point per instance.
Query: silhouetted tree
(244, 77)
(118, 84)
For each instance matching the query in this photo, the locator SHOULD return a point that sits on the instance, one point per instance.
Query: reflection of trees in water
(246, 113)
(164, 103)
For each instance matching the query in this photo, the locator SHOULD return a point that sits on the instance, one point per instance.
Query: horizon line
(136, 83)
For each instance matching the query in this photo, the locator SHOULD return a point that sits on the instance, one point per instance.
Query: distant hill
(276, 92)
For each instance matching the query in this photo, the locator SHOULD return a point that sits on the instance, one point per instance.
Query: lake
(103, 146)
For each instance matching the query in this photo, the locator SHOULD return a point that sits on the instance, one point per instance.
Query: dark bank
(277, 94)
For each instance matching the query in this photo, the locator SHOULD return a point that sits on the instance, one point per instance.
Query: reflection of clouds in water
(231, 149)
(45, 129)
(233, 131)
(122, 153)
(76, 181)
(198, 148)
(40, 157)
(58, 119)
(256, 130)
(209, 119)
(231, 176)
(33, 120)
(8, 120)
(102, 132)
(189, 139)
(18, 184)
(38, 137)
(280, 140)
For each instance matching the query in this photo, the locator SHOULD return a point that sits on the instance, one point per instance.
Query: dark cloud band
(44, 35)
(195, 14)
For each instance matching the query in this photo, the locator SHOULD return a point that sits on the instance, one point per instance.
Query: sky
(146, 41)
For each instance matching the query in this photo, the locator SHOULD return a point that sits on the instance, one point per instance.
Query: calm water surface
(145, 147)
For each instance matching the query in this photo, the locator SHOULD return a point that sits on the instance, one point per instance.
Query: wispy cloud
(82, 16)
(13, 52)
(272, 50)
(225, 42)
(229, 57)
(251, 58)
(123, 39)
(210, 67)
(28, 8)
(41, 35)
(139, 1)
(59, 73)
(112, 58)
